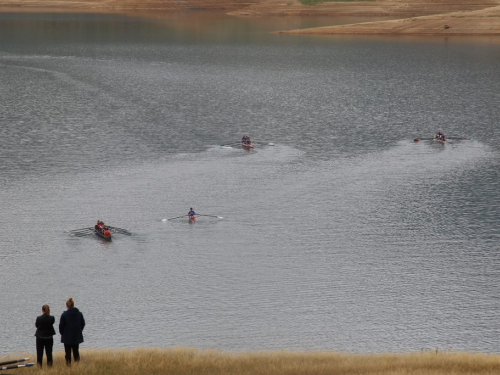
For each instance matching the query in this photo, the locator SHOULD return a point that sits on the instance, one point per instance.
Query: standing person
(44, 331)
(71, 329)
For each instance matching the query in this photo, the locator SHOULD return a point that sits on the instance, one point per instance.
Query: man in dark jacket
(71, 329)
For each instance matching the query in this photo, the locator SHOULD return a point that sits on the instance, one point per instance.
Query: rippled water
(346, 235)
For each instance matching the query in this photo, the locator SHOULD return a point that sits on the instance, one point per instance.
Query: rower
(191, 213)
(440, 136)
(245, 140)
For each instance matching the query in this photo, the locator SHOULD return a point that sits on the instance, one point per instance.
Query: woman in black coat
(44, 331)
(71, 329)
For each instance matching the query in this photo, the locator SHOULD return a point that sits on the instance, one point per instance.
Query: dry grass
(186, 361)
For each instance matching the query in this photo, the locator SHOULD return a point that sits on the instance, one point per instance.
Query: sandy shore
(419, 17)
(479, 22)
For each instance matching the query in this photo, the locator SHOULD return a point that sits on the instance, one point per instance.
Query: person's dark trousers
(42, 344)
(76, 353)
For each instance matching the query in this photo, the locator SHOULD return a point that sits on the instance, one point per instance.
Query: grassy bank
(184, 361)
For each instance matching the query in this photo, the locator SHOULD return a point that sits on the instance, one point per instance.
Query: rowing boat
(105, 234)
(102, 232)
(441, 140)
(192, 219)
(248, 146)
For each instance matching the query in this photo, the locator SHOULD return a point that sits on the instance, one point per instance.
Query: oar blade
(422, 139)
(16, 366)
(13, 361)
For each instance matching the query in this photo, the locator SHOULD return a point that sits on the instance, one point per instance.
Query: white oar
(218, 217)
(172, 218)
(16, 366)
(230, 145)
(263, 143)
(13, 361)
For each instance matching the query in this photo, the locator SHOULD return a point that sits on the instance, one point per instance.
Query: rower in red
(191, 214)
(101, 227)
(440, 136)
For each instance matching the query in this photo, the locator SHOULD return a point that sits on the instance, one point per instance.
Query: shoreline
(484, 22)
(459, 17)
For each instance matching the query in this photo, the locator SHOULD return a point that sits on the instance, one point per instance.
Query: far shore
(419, 17)
(189, 361)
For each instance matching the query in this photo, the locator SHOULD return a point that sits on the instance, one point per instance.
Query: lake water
(344, 236)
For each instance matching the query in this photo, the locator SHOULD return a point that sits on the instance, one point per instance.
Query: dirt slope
(402, 8)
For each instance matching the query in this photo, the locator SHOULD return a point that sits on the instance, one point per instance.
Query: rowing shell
(247, 146)
(192, 219)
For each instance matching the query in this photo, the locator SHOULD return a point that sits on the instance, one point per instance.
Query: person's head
(46, 309)
(191, 208)
(70, 303)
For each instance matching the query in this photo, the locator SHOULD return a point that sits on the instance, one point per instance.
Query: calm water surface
(346, 235)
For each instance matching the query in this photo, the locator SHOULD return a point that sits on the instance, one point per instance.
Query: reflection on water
(344, 236)
(157, 27)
